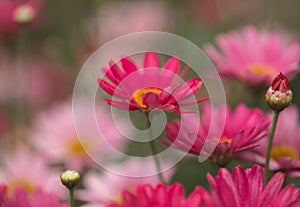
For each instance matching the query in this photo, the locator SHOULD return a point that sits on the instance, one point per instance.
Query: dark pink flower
(246, 188)
(242, 131)
(149, 87)
(159, 196)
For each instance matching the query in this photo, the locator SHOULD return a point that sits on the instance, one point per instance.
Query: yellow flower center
(284, 151)
(76, 148)
(259, 69)
(21, 183)
(223, 140)
(139, 95)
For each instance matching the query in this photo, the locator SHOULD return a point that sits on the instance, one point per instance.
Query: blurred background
(44, 43)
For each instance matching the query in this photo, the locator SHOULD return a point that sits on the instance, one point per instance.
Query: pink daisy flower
(243, 129)
(16, 13)
(54, 135)
(100, 189)
(255, 57)
(159, 196)
(246, 188)
(149, 87)
(285, 154)
(23, 168)
(21, 198)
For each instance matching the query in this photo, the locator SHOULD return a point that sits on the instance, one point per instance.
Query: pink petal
(128, 65)
(272, 189)
(116, 71)
(241, 182)
(121, 105)
(151, 100)
(256, 184)
(151, 60)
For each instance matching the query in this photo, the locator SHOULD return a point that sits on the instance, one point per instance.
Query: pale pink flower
(148, 87)
(23, 168)
(242, 130)
(285, 154)
(101, 188)
(22, 198)
(246, 188)
(54, 135)
(255, 56)
(159, 196)
(14, 14)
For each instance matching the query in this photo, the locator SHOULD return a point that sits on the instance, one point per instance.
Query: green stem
(153, 150)
(71, 195)
(271, 138)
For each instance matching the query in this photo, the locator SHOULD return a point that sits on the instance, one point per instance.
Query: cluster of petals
(242, 130)
(101, 188)
(159, 196)
(149, 87)
(21, 198)
(239, 188)
(255, 56)
(247, 188)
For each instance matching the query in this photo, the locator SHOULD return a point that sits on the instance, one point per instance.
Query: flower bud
(24, 13)
(279, 95)
(70, 178)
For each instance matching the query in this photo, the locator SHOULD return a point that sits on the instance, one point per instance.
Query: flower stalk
(153, 150)
(279, 96)
(70, 179)
(269, 150)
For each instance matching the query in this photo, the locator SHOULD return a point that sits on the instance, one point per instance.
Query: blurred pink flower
(14, 14)
(242, 130)
(54, 135)
(103, 188)
(32, 81)
(255, 57)
(23, 168)
(127, 17)
(38, 198)
(148, 87)
(285, 154)
(246, 188)
(159, 196)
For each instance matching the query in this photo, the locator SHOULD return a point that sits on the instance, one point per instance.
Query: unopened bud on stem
(70, 178)
(279, 95)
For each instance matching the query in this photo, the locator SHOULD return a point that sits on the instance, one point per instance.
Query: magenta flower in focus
(285, 154)
(151, 87)
(16, 13)
(255, 57)
(22, 198)
(246, 188)
(242, 131)
(159, 196)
